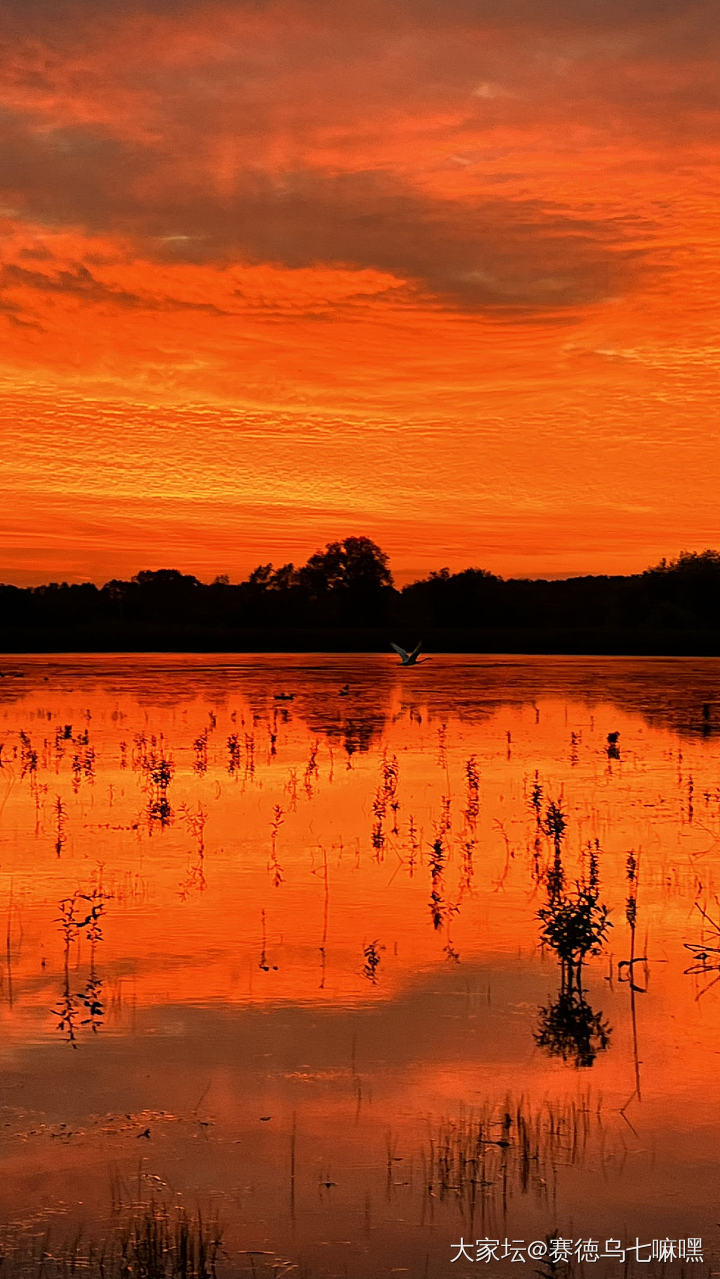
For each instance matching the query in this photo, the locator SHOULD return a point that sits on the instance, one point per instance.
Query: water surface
(272, 947)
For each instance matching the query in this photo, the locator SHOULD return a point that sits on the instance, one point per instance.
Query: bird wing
(400, 651)
(416, 650)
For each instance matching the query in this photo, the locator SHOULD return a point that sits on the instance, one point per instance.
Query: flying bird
(409, 659)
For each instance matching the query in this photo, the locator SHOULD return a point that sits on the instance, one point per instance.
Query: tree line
(344, 598)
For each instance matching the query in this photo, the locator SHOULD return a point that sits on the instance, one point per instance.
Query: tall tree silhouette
(350, 578)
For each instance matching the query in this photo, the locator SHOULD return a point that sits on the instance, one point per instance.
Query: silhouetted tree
(691, 563)
(349, 577)
(284, 578)
(684, 590)
(260, 577)
(356, 563)
(346, 591)
(453, 599)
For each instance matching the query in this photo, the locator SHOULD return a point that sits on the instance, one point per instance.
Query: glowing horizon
(401, 579)
(275, 274)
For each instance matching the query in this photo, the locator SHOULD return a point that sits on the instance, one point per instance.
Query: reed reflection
(81, 913)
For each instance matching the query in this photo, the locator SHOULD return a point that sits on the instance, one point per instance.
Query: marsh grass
(157, 770)
(60, 819)
(484, 1157)
(234, 753)
(273, 864)
(472, 802)
(385, 797)
(154, 1240)
(82, 913)
(706, 957)
(372, 956)
(437, 868)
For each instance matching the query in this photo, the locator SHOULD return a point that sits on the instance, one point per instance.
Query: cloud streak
(484, 252)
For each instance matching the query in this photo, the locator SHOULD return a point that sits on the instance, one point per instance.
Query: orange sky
(444, 274)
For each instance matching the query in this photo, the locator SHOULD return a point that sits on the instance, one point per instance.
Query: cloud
(482, 252)
(271, 75)
(79, 282)
(304, 133)
(409, 14)
(403, 223)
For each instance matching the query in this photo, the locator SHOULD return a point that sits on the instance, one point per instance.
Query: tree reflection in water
(570, 1028)
(575, 924)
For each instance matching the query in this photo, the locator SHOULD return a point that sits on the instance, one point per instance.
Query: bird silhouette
(409, 659)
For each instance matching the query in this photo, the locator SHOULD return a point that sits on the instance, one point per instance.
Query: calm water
(280, 957)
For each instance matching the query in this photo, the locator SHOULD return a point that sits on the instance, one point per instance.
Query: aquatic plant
(385, 796)
(273, 863)
(391, 777)
(626, 967)
(263, 963)
(28, 756)
(574, 924)
(60, 816)
(536, 798)
(487, 1154)
(196, 821)
(371, 952)
(82, 912)
(311, 768)
(233, 745)
(158, 769)
(554, 823)
(148, 1241)
(706, 958)
(200, 747)
(442, 746)
(472, 801)
(414, 840)
(249, 755)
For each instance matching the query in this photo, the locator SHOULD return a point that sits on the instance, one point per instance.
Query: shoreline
(588, 642)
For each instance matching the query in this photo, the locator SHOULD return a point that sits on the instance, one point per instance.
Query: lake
(271, 954)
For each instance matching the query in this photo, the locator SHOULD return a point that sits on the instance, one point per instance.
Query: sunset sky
(439, 272)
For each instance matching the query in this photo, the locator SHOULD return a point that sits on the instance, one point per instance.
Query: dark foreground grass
(152, 1241)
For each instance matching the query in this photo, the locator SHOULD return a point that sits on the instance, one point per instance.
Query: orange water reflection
(262, 950)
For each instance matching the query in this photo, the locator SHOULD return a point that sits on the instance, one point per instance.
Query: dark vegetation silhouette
(575, 924)
(344, 599)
